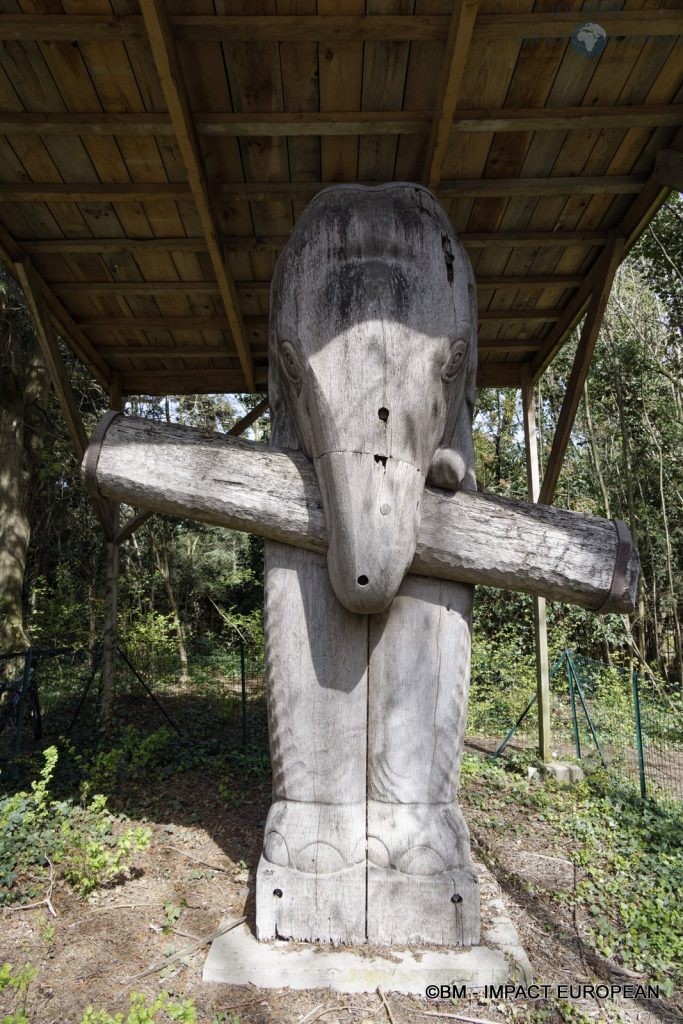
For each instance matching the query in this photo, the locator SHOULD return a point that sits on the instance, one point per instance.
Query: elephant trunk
(372, 510)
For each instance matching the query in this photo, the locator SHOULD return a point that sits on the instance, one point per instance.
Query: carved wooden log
(467, 537)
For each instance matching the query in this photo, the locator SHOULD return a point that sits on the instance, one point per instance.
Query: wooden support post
(540, 621)
(109, 637)
(579, 372)
(47, 339)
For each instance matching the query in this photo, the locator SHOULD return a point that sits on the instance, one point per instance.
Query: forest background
(187, 589)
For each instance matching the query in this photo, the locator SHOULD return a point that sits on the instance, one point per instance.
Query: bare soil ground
(202, 861)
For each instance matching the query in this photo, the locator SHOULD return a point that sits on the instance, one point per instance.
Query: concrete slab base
(238, 958)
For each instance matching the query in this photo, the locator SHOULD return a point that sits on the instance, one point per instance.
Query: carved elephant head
(372, 347)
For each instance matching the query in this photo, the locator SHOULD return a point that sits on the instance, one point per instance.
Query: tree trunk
(164, 567)
(24, 388)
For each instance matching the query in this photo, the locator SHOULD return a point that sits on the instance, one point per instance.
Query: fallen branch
(47, 899)
(386, 1005)
(214, 867)
(160, 964)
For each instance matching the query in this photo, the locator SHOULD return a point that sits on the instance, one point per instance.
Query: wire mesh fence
(599, 713)
(610, 718)
(48, 695)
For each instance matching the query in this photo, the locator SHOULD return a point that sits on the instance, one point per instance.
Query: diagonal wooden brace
(469, 537)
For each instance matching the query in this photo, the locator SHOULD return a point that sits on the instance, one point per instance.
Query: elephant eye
(290, 362)
(456, 356)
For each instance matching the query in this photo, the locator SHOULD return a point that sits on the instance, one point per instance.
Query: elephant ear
(283, 432)
(452, 467)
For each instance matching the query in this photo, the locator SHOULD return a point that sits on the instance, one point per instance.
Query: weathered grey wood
(470, 537)
(533, 476)
(372, 370)
(418, 841)
(372, 353)
(317, 668)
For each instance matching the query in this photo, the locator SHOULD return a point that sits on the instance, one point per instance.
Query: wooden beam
(466, 536)
(506, 315)
(267, 243)
(160, 37)
(133, 524)
(364, 122)
(153, 323)
(112, 353)
(635, 220)
(251, 192)
(498, 375)
(251, 417)
(314, 28)
(669, 169)
(211, 287)
(12, 252)
(580, 368)
(452, 71)
(202, 323)
(52, 358)
(115, 392)
(218, 381)
(189, 382)
(539, 603)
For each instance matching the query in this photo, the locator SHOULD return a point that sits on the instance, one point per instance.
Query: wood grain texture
(469, 537)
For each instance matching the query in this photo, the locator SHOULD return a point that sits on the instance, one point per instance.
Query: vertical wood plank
(540, 618)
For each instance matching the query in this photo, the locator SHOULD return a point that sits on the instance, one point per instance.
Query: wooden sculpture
(368, 575)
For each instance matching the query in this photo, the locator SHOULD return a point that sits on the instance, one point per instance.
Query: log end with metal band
(274, 493)
(626, 570)
(92, 453)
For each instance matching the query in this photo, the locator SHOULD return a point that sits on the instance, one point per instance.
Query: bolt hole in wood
(363, 581)
(277, 893)
(383, 414)
(456, 898)
(382, 459)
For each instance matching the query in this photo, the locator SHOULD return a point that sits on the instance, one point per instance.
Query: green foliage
(146, 1011)
(82, 840)
(19, 982)
(629, 854)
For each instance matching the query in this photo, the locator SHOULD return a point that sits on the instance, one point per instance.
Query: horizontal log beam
(469, 537)
(314, 28)
(250, 192)
(211, 288)
(364, 122)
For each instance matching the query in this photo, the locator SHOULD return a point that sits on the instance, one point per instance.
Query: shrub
(38, 833)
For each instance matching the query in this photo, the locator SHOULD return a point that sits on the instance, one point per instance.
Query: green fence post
(639, 733)
(572, 700)
(577, 680)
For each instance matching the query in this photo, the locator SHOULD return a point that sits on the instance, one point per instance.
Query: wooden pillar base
(419, 910)
(292, 904)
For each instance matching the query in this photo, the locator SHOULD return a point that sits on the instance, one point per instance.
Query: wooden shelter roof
(154, 157)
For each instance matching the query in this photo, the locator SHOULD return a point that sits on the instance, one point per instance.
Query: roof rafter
(350, 28)
(160, 37)
(452, 71)
(250, 192)
(363, 122)
(582, 360)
